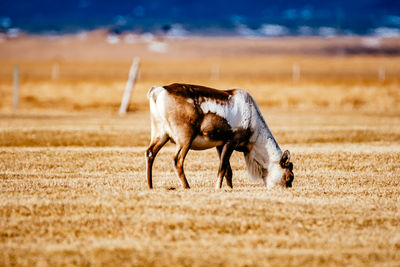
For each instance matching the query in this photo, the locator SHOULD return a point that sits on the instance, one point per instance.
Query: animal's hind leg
(151, 154)
(227, 173)
(179, 158)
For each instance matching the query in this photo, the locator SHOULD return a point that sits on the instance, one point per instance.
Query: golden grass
(326, 83)
(133, 130)
(63, 205)
(72, 172)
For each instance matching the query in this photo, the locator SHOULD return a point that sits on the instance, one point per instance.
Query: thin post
(215, 69)
(381, 74)
(129, 85)
(16, 85)
(55, 71)
(296, 72)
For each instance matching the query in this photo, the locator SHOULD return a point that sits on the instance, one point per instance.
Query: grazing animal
(198, 117)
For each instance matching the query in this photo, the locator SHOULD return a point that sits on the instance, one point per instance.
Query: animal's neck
(264, 140)
(267, 151)
(262, 161)
(266, 144)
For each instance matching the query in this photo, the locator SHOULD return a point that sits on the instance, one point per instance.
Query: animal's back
(185, 98)
(234, 105)
(198, 91)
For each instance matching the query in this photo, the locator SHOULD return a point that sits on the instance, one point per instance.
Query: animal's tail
(153, 92)
(149, 93)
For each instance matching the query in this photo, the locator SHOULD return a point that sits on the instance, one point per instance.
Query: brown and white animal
(197, 117)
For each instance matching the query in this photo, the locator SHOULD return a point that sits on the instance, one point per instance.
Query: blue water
(207, 17)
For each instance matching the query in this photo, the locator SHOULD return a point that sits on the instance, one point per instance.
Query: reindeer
(197, 117)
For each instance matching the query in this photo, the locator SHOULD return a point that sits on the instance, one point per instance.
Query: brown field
(72, 172)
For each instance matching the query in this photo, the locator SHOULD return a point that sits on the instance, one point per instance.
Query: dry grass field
(72, 172)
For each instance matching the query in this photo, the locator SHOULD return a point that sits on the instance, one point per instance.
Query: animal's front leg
(226, 153)
(228, 175)
(228, 170)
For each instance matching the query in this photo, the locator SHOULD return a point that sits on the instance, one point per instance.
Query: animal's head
(287, 168)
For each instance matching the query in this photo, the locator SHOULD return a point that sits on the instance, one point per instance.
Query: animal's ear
(285, 158)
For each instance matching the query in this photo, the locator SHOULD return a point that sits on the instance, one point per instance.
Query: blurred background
(301, 55)
(210, 18)
(73, 191)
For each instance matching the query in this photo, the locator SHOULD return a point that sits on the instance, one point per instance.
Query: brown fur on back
(197, 91)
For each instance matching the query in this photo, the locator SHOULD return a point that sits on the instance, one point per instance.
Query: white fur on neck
(263, 159)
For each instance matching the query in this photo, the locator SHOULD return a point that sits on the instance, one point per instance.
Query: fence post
(296, 72)
(381, 74)
(55, 71)
(129, 85)
(16, 85)
(215, 70)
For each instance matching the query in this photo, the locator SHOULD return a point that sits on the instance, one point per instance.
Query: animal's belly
(204, 142)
